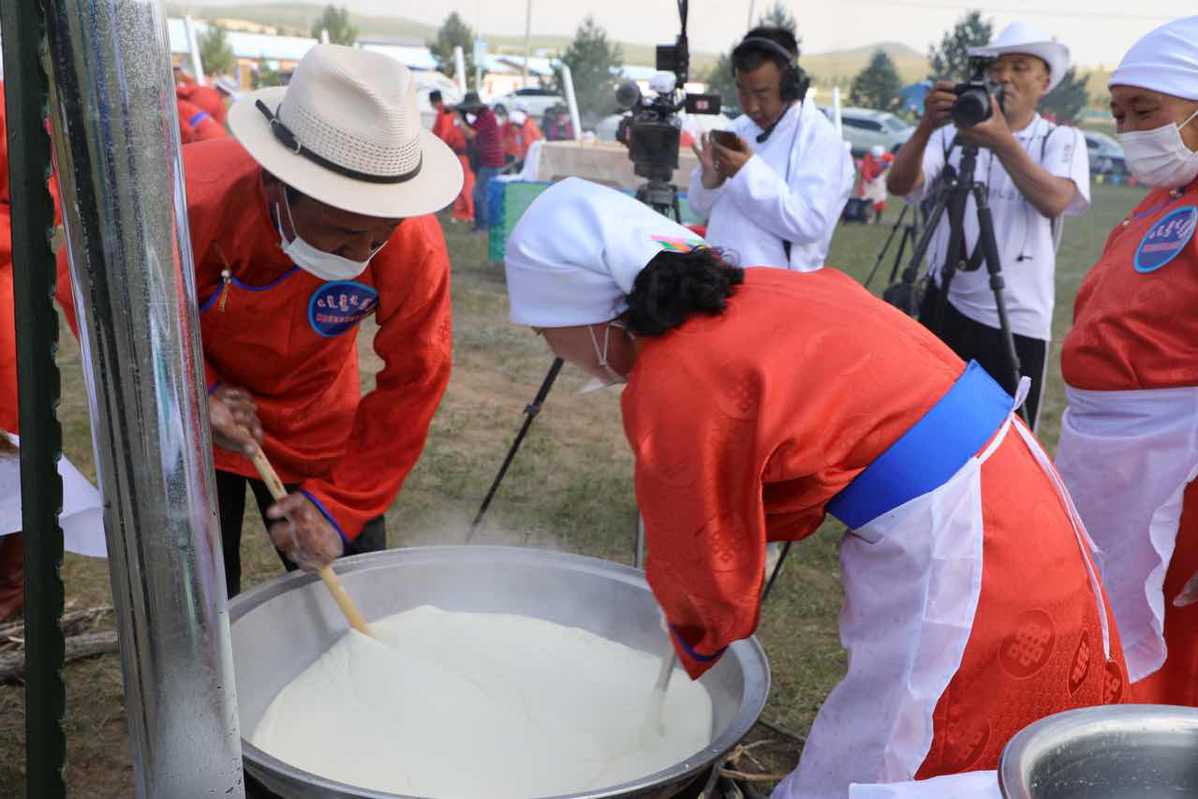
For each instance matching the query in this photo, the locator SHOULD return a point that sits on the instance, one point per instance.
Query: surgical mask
(1159, 157)
(613, 377)
(324, 265)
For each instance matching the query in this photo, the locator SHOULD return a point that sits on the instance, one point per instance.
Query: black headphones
(795, 80)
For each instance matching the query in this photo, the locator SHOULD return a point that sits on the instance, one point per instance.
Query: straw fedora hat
(1025, 39)
(347, 132)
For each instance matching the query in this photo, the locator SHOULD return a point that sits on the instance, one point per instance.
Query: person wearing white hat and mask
(317, 215)
(1129, 437)
(854, 410)
(1036, 173)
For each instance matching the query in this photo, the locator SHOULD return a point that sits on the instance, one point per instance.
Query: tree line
(595, 62)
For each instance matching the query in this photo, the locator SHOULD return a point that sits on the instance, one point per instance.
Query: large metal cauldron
(281, 627)
(1112, 752)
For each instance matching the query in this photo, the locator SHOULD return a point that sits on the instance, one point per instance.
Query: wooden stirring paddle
(331, 581)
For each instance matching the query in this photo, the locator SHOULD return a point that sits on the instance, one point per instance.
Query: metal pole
(41, 443)
(752, 6)
(116, 138)
(571, 101)
(459, 69)
(193, 47)
(527, 38)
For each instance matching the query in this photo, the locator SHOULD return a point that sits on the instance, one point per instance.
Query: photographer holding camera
(1035, 173)
(774, 187)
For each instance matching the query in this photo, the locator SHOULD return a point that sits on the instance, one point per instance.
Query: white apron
(969, 785)
(1127, 457)
(912, 578)
(82, 517)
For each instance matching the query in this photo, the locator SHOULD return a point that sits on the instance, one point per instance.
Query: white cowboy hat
(1025, 39)
(346, 132)
(228, 85)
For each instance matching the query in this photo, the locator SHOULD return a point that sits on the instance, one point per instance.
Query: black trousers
(230, 495)
(973, 340)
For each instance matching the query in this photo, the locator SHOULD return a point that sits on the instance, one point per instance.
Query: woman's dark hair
(675, 286)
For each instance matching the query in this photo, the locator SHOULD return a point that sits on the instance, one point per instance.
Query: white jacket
(792, 189)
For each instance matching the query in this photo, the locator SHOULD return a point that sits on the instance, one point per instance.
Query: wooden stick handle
(343, 600)
(330, 578)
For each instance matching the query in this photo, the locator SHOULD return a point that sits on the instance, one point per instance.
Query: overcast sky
(1097, 31)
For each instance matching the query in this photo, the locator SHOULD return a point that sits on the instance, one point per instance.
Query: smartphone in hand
(726, 138)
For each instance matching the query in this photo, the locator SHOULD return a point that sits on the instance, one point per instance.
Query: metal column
(116, 138)
(41, 487)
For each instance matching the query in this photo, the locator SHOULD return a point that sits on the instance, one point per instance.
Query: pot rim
(748, 653)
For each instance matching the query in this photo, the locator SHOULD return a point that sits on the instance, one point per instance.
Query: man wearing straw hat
(313, 218)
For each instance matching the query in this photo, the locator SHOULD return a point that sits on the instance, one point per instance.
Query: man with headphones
(1035, 172)
(774, 186)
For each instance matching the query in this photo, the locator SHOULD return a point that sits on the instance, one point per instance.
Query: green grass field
(570, 489)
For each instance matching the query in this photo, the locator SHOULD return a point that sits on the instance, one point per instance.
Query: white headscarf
(1165, 60)
(574, 255)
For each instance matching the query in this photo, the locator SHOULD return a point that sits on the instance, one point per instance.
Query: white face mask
(324, 265)
(1159, 157)
(613, 377)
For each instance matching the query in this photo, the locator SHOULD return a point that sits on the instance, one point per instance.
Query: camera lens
(972, 106)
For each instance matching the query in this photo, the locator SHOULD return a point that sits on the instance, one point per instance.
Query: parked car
(865, 129)
(1106, 154)
(534, 101)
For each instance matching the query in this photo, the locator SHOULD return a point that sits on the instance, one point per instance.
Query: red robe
(11, 546)
(529, 133)
(8, 333)
(206, 98)
(511, 136)
(1135, 331)
(446, 129)
(350, 453)
(738, 443)
(196, 124)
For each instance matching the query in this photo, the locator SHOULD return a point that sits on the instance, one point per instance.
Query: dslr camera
(973, 96)
(652, 130)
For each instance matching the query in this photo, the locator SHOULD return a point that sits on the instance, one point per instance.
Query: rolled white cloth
(1164, 60)
(574, 255)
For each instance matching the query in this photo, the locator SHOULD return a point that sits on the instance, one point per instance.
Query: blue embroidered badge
(1166, 239)
(338, 306)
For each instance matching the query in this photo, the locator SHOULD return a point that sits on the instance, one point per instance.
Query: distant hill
(835, 68)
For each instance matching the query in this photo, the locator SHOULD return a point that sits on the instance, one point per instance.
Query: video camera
(652, 130)
(973, 96)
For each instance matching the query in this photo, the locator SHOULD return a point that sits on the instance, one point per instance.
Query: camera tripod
(910, 233)
(662, 197)
(952, 199)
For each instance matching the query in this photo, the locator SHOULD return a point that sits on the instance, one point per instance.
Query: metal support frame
(26, 92)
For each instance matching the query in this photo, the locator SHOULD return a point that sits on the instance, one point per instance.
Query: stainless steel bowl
(281, 627)
(1111, 752)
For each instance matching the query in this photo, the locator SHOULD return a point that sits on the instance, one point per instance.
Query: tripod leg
(886, 246)
(994, 267)
(530, 413)
(903, 296)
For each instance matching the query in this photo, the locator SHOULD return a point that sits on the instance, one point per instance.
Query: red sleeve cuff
(695, 662)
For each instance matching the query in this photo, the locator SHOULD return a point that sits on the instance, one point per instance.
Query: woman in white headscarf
(759, 400)
(1129, 439)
